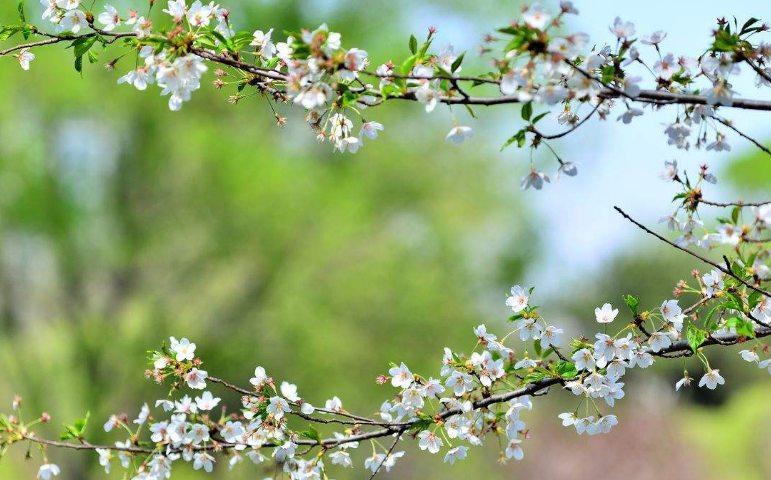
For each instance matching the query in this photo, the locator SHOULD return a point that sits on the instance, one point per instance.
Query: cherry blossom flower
(534, 179)
(25, 57)
(513, 450)
(196, 379)
(622, 29)
(606, 314)
(518, 299)
(429, 441)
(401, 376)
(206, 401)
(73, 21)
(683, 382)
(458, 134)
(203, 459)
(109, 18)
(711, 379)
(655, 38)
(551, 336)
(47, 471)
(666, 67)
(536, 17)
(456, 453)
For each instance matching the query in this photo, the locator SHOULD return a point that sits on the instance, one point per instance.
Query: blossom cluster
(477, 395)
(535, 62)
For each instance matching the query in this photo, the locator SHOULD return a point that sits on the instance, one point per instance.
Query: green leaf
(413, 44)
(81, 423)
(754, 299)
(695, 337)
(77, 430)
(79, 64)
(21, 10)
(408, 64)
(533, 377)
(749, 23)
(82, 45)
(311, 434)
(632, 302)
(527, 111)
(456, 64)
(518, 137)
(743, 326)
(735, 215)
(539, 117)
(566, 369)
(8, 31)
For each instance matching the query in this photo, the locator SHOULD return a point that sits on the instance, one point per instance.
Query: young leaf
(456, 64)
(527, 111)
(413, 44)
(695, 337)
(632, 302)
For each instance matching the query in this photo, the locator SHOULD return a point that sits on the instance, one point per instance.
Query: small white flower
(278, 406)
(206, 401)
(606, 314)
(528, 328)
(659, 341)
(109, 18)
(183, 349)
(655, 38)
(370, 129)
(341, 458)
(289, 391)
(683, 382)
(401, 376)
(712, 379)
(25, 57)
(458, 134)
(518, 298)
(47, 471)
(666, 67)
(457, 453)
(196, 379)
(144, 413)
(203, 460)
(551, 336)
(260, 378)
(583, 359)
(749, 356)
(111, 423)
(105, 455)
(73, 21)
(534, 179)
(334, 404)
(536, 17)
(513, 450)
(429, 441)
(622, 29)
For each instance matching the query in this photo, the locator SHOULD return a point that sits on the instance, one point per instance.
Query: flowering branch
(484, 392)
(533, 65)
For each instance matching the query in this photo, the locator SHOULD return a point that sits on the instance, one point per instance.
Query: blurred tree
(254, 241)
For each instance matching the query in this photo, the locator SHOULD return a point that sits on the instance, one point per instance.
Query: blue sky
(620, 163)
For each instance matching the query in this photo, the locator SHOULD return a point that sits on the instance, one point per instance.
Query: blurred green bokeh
(122, 223)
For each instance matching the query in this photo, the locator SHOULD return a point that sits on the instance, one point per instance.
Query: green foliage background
(122, 223)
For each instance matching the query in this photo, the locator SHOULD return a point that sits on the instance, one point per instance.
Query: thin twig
(390, 451)
(738, 203)
(729, 124)
(723, 269)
